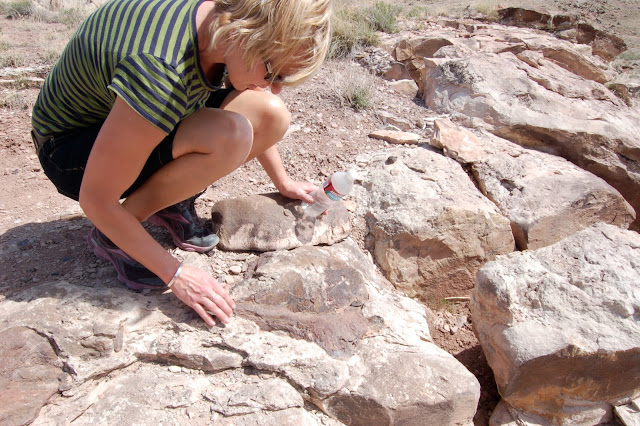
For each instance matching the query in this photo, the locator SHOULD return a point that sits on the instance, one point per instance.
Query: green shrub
(350, 32)
(356, 88)
(382, 16)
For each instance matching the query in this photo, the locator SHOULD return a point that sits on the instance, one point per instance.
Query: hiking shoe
(130, 272)
(184, 226)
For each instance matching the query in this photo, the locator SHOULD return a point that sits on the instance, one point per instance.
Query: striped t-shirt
(145, 51)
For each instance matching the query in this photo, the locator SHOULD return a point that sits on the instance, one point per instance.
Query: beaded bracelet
(175, 276)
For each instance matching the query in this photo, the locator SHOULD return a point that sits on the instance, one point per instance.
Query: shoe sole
(103, 254)
(158, 221)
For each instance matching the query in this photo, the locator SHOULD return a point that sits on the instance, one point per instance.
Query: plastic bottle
(337, 186)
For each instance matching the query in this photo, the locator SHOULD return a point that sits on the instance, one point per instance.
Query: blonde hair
(283, 32)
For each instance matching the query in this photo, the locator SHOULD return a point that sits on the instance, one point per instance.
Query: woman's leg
(210, 144)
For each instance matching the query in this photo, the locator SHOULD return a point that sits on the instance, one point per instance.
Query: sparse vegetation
(15, 100)
(356, 88)
(11, 59)
(19, 9)
(488, 8)
(382, 16)
(49, 56)
(350, 32)
(629, 55)
(418, 12)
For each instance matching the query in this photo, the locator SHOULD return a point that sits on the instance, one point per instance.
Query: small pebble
(175, 369)
(236, 269)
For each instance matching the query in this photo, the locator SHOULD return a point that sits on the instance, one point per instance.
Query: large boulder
(560, 326)
(547, 198)
(539, 92)
(314, 325)
(430, 228)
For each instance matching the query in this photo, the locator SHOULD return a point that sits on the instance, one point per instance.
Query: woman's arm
(120, 151)
(272, 164)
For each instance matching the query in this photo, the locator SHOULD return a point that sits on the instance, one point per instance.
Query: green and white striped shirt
(145, 51)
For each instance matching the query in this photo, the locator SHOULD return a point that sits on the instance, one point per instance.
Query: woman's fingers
(204, 315)
(218, 306)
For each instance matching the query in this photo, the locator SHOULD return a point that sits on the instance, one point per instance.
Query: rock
(605, 45)
(332, 297)
(629, 414)
(398, 71)
(539, 92)
(559, 325)
(430, 228)
(545, 197)
(405, 87)
(313, 325)
(396, 137)
(30, 373)
(271, 222)
(392, 120)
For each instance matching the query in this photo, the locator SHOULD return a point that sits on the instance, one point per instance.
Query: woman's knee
(215, 132)
(238, 139)
(274, 118)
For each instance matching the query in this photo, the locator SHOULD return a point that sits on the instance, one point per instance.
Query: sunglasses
(269, 75)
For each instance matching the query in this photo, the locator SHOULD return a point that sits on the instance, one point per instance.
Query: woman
(133, 109)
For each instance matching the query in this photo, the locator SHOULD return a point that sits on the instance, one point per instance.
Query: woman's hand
(297, 190)
(203, 294)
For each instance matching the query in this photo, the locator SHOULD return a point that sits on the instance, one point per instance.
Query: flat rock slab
(396, 137)
(430, 228)
(560, 326)
(30, 374)
(271, 222)
(546, 197)
(317, 336)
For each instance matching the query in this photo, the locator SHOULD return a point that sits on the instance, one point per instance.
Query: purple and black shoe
(130, 272)
(184, 226)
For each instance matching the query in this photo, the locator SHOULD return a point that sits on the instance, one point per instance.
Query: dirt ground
(42, 233)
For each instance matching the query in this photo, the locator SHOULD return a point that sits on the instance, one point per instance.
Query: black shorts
(64, 156)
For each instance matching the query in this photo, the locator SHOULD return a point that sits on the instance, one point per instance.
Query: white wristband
(175, 276)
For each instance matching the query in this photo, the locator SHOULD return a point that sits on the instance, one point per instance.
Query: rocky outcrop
(535, 90)
(545, 197)
(567, 27)
(560, 326)
(314, 325)
(271, 222)
(430, 228)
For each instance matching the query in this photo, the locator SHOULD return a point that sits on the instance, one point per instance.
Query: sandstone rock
(405, 87)
(559, 325)
(314, 325)
(392, 120)
(605, 45)
(430, 228)
(398, 71)
(395, 137)
(30, 373)
(538, 92)
(546, 197)
(629, 414)
(271, 222)
(332, 297)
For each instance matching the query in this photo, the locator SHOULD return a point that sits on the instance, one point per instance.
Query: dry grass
(15, 100)
(488, 8)
(355, 87)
